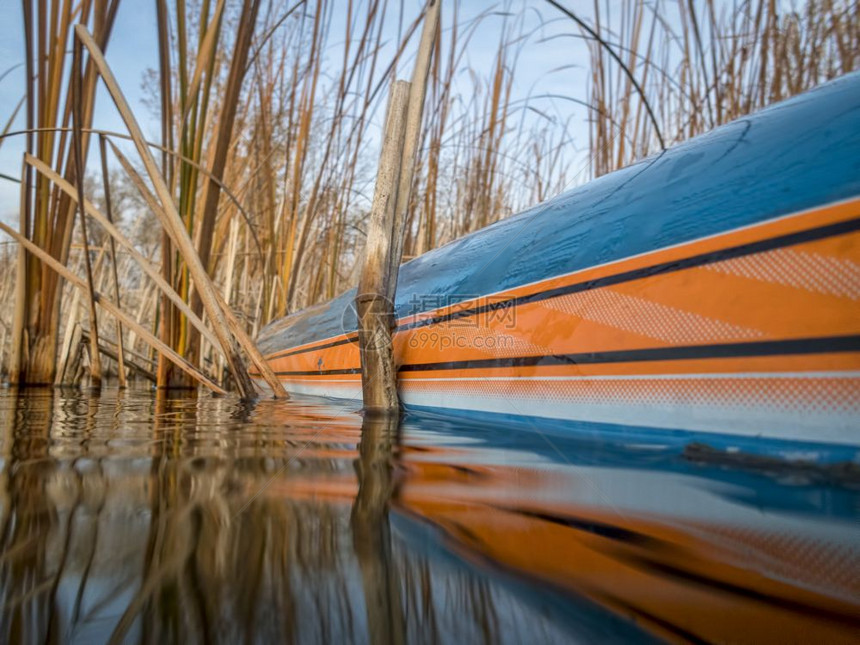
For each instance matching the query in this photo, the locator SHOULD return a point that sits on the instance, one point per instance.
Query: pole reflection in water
(371, 532)
(136, 517)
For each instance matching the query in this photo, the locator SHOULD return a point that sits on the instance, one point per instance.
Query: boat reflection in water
(133, 517)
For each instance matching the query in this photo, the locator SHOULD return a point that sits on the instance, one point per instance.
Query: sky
(550, 64)
(131, 51)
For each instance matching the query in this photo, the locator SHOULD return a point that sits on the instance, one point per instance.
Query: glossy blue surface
(795, 155)
(633, 441)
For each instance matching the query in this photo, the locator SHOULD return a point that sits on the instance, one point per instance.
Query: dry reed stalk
(320, 194)
(49, 216)
(307, 103)
(441, 87)
(226, 118)
(113, 260)
(78, 153)
(149, 300)
(304, 219)
(173, 224)
(109, 353)
(168, 314)
(115, 234)
(246, 344)
(111, 308)
(19, 341)
(720, 66)
(69, 345)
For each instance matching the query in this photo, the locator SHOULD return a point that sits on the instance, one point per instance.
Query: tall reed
(47, 215)
(704, 63)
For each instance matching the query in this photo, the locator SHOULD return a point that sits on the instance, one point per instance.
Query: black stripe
(790, 239)
(796, 346)
(595, 527)
(667, 571)
(351, 370)
(353, 338)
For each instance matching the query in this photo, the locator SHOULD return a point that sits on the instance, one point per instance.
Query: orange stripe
(811, 290)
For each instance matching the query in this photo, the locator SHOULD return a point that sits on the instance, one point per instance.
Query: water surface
(140, 517)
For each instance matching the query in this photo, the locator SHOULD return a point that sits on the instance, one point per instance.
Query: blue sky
(133, 49)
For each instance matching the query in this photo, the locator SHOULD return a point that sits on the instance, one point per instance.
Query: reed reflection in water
(173, 519)
(136, 517)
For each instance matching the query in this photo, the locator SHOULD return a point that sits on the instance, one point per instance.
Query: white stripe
(651, 377)
(766, 419)
(771, 421)
(612, 377)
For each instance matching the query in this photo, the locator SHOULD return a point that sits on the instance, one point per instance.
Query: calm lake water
(136, 517)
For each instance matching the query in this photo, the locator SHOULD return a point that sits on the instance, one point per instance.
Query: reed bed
(270, 116)
(702, 64)
(191, 542)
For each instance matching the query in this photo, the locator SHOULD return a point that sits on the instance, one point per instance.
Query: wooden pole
(378, 378)
(413, 137)
(378, 284)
